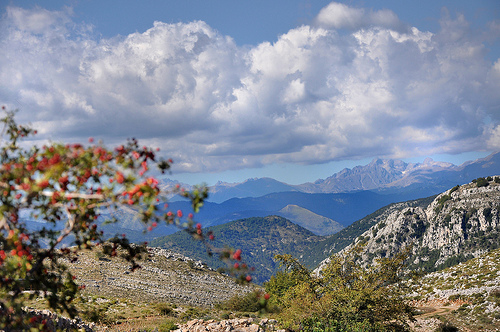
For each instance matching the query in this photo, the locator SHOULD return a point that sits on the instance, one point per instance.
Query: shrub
(167, 326)
(454, 189)
(255, 301)
(344, 297)
(482, 182)
(191, 313)
(68, 186)
(163, 308)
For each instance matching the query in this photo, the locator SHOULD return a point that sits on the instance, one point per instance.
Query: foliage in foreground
(344, 297)
(66, 187)
(255, 301)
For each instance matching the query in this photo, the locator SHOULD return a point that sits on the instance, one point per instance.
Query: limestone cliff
(459, 224)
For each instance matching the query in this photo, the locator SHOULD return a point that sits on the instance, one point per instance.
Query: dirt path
(427, 320)
(437, 310)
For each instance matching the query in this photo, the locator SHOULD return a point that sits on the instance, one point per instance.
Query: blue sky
(294, 90)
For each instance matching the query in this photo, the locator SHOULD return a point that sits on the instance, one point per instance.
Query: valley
(453, 237)
(323, 207)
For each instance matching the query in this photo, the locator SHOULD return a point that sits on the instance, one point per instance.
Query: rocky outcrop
(474, 286)
(461, 223)
(55, 322)
(236, 325)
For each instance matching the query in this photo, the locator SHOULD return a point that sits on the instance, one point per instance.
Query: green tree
(344, 297)
(69, 184)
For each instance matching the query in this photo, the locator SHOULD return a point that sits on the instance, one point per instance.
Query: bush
(96, 314)
(482, 182)
(167, 326)
(68, 186)
(163, 308)
(344, 297)
(191, 313)
(255, 301)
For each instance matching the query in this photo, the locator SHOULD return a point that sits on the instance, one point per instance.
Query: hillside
(260, 239)
(252, 236)
(473, 285)
(459, 224)
(317, 224)
(164, 276)
(338, 241)
(436, 227)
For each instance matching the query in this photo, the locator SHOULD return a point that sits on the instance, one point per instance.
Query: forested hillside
(260, 239)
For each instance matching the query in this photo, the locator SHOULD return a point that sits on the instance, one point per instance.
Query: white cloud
(494, 139)
(340, 16)
(314, 95)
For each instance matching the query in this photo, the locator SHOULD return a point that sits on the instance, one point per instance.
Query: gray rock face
(461, 223)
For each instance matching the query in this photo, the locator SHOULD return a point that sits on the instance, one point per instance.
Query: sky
(290, 89)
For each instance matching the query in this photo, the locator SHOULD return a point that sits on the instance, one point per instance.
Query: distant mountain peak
(383, 175)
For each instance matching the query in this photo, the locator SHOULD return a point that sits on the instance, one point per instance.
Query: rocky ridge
(461, 223)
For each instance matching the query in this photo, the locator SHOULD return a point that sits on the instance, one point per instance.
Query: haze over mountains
(442, 231)
(323, 207)
(326, 205)
(381, 175)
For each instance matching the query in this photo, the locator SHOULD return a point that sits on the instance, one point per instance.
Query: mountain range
(326, 205)
(381, 175)
(261, 238)
(323, 207)
(443, 230)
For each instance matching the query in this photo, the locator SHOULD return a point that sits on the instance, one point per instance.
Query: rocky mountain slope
(334, 243)
(377, 174)
(164, 276)
(388, 176)
(473, 286)
(459, 224)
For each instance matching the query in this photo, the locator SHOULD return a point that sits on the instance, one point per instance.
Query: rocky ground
(236, 325)
(173, 291)
(470, 293)
(164, 276)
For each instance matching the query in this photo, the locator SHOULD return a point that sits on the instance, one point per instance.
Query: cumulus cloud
(315, 95)
(340, 16)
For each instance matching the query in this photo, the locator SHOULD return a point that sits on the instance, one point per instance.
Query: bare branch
(67, 230)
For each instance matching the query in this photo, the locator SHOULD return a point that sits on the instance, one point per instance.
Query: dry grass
(168, 289)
